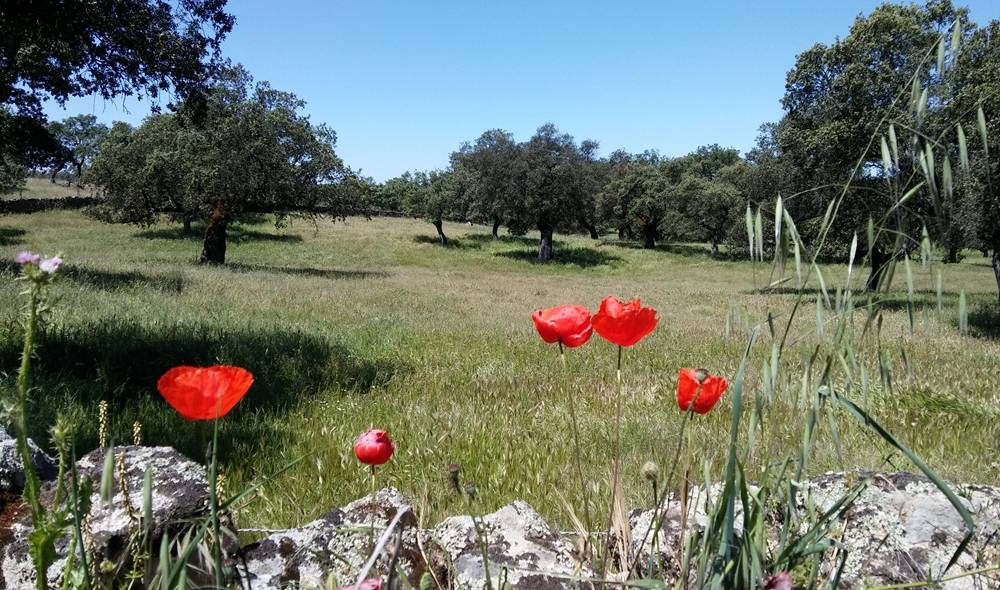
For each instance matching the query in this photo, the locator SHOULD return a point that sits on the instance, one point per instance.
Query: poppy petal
(567, 323)
(204, 393)
(624, 324)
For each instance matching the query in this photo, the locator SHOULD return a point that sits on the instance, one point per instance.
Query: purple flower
(50, 265)
(28, 258)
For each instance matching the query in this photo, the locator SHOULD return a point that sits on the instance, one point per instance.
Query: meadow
(364, 323)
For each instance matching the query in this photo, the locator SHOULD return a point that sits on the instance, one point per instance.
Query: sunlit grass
(369, 323)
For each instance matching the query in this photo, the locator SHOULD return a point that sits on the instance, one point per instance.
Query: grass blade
(727, 534)
(909, 279)
(758, 225)
(981, 119)
(749, 220)
(939, 293)
(894, 144)
(963, 314)
(850, 261)
(886, 157)
(963, 150)
(819, 316)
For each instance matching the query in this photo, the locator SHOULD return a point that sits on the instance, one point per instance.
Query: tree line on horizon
(898, 124)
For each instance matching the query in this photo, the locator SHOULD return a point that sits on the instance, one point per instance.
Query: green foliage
(80, 137)
(255, 153)
(54, 50)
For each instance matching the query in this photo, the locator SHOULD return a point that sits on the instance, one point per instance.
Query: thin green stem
(670, 472)
(31, 484)
(77, 524)
(614, 470)
(576, 447)
(371, 534)
(214, 499)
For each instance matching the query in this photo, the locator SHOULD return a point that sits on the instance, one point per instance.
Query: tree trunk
(996, 268)
(214, 251)
(649, 236)
(545, 245)
(621, 233)
(593, 232)
(438, 226)
(715, 247)
(187, 226)
(952, 255)
(880, 261)
(496, 228)
(53, 177)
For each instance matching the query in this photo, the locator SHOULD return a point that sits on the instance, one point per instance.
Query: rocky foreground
(901, 529)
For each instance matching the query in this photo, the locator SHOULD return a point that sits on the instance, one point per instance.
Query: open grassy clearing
(369, 323)
(43, 188)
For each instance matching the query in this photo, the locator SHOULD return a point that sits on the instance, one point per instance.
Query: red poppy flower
(711, 390)
(374, 447)
(624, 323)
(568, 323)
(201, 393)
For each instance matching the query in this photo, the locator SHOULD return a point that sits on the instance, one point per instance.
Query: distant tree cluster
(551, 184)
(249, 151)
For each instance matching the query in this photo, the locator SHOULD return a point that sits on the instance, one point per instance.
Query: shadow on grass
(686, 250)
(235, 234)
(10, 236)
(436, 241)
(309, 272)
(121, 360)
(481, 240)
(171, 283)
(566, 255)
(984, 319)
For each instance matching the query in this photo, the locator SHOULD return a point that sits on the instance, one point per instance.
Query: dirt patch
(13, 509)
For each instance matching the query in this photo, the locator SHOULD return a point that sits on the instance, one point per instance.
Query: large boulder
(522, 551)
(902, 529)
(331, 550)
(12, 468)
(180, 493)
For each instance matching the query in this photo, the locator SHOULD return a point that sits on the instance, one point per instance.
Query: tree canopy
(255, 153)
(54, 49)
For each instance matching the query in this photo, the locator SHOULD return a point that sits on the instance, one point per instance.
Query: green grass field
(43, 188)
(368, 323)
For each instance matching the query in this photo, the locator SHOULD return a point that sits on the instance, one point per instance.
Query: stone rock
(12, 469)
(521, 548)
(180, 492)
(668, 539)
(902, 529)
(331, 550)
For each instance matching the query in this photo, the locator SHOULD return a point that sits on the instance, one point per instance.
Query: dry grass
(368, 323)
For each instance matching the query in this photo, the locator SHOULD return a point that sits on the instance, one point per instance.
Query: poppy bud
(453, 471)
(650, 471)
(373, 447)
(470, 489)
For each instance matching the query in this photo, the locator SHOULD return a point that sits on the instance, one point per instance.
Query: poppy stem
(617, 458)
(576, 448)
(670, 476)
(371, 536)
(214, 499)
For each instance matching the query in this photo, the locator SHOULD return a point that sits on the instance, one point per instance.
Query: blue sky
(405, 83)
